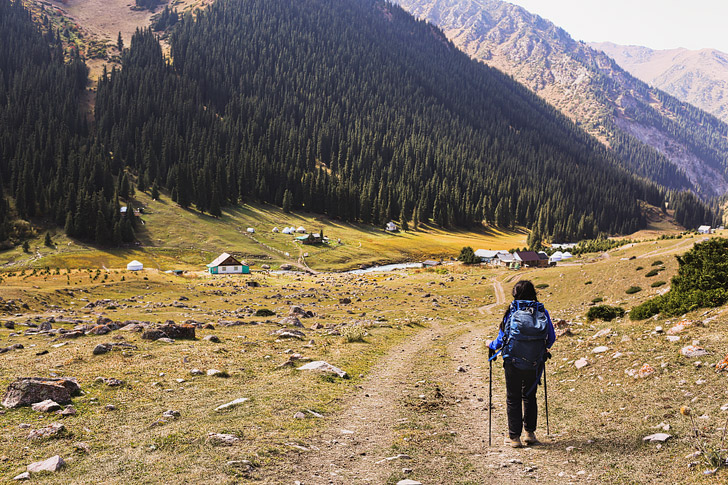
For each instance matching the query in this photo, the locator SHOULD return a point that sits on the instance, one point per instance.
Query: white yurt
(567, 255)
(135, 266)
(275, 229)
(251, 230)
(286, 230)
(301, 230)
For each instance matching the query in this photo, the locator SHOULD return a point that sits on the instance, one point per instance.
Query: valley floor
(415, 405)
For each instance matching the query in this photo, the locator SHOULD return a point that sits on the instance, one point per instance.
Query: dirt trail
(431, 390)
(681, 246)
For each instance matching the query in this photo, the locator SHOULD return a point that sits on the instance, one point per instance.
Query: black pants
(520, 399)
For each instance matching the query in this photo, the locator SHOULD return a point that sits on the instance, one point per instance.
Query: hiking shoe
(513, 443)
(531, 438)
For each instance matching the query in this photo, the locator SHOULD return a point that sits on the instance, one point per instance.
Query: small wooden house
(530, 258)
(226, 264)
(391, 227)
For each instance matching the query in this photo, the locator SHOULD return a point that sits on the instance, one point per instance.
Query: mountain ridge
(699, 77)
(588, 86)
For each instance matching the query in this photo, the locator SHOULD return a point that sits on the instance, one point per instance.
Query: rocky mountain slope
(699, 77)
(658, 136)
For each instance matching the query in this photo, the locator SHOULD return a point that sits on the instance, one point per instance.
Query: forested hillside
(350, 108)
(356, 110)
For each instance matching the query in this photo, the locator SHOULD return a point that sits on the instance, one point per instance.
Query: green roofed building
(226, 264)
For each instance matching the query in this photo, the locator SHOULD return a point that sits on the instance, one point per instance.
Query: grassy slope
(175, 238)
(600, 410)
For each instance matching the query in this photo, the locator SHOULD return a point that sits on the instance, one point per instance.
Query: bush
(588, 282)
(652, 272)
(632, 290)
(604, 312)
(541, 286)
(598, 299)
(264, 312)
(639, 268)
(657, 263)
(657, 284)
(701, 281)
(353, 333)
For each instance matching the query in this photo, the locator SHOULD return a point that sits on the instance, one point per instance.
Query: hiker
(526, 333)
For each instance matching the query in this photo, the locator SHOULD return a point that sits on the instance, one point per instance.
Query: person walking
(524, 338)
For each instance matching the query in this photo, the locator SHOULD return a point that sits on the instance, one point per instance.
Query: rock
(153, 334)
(581, 363)
(286, 267)
(407, 481)
(22, 476)
(101, 349)
(673, 338)
(462, 369)
(9, 325)
(602, 333)
(110, 407)
(68, 411)
(561, 328)
(325, 367)
(99, 330)
(232, 404)
(182, 331)
(286, 333)
(46, 406)
(52, 431)
(344, 301)
(692, 351)
(265, 266)
(645, 371)
(299, 415)
(212, 338)
(52, 464)
(297, 311)
(722, 365)
(600, 349)
(166, 340)
(252, 284)
(109, 381)
(219, 439)
(171, 414)
(196, 372)
(45, 326)
(28, 390)
(291, 322)
(81, 447)
(657, 438)
(217, 373)
(680, 327)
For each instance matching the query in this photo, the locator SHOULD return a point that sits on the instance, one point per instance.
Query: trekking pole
(490, 399)
(546, 400)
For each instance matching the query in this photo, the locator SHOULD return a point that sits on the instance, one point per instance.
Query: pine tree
(48, 241)
(287, 201)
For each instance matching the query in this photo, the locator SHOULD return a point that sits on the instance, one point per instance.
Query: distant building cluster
(520, 259)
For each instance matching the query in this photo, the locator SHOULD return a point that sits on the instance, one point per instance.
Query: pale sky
(658, 24)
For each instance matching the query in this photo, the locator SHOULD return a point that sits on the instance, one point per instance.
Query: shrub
(604, 312)
(264, 312)
(467, 256)
(598, 299)
(652, 272)
(541, 286)
(701, 281)
(657, 263)
(588, 282)
(632, 290)
(353, 333)
(657, 284)
(639, 268)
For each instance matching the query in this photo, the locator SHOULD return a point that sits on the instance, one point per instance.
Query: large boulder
(181, 331)
(324, 367)
(297, 311)
(153, 334)
(292, 322)
(30, 390)
(52, 464)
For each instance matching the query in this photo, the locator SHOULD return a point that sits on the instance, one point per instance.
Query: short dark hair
(524, 290)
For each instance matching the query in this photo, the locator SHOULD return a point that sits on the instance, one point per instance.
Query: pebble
(581, 363)
(196, 372)
(232, 404)
(110, 407)
(299, 415)
(600, 349)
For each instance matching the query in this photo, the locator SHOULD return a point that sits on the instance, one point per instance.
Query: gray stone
(52, 464)
(292, 322)
(325, 367)
(171, 414)
(221, 439)
(232, 404)
(52, 431)
(22, 476)
(299, 415)
(45, 326)
(46, 406)
(101, 349)
(408, 482)
(29, 390)
(581, 363)
(109, 381)
(600, 349)
(286, 333)
(196, 372)
(68, 411)
(692, 351)
(212, 338)
(657, 438)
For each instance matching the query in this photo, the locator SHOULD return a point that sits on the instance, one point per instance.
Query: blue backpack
(525, 334)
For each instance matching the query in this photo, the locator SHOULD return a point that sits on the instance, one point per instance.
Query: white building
(135, 266)
(704, 230)
(391, 227)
